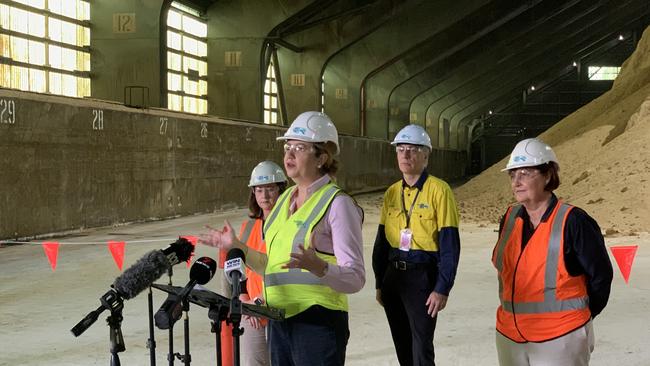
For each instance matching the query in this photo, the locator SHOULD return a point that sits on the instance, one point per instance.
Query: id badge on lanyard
(406, 235)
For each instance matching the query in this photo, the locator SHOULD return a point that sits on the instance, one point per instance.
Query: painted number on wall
(163, 125)
(124, 23)
(204, 130)
(98, 119)
(7, 111)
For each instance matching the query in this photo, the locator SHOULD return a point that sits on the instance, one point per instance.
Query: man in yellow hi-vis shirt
(416, 251)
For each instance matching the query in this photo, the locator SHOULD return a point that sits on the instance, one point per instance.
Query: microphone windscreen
(236, 253)
(142, 274)
(202, 270)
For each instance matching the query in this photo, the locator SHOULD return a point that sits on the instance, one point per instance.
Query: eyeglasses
(298, 148)
(268, 190)
(402, 149)
(523, 174)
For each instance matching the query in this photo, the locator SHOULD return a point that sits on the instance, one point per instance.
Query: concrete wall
(130, 56)
(73, 163)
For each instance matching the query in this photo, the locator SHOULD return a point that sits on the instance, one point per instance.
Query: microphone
(235, 266)
(150, 267)
(137, 278)
(170, 311)
(235, 270)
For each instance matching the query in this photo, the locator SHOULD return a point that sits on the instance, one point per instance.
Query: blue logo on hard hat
(263, 178)
(405, 136)
(519, 158)
(300, 130)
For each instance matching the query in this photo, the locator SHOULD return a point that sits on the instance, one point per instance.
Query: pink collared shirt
(339, 232)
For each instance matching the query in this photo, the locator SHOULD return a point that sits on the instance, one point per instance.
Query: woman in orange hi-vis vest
(553, 269)
(267, 183)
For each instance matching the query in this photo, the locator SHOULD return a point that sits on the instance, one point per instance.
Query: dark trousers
(404, 294)
(317, 336)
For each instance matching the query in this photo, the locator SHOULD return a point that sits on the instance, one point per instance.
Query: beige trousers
(254, 350)
(573, 349)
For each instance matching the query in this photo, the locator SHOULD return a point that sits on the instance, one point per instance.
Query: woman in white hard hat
(553, 269)
(266, 184)
(315, 252)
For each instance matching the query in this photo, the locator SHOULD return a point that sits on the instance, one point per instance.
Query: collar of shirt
(318, 184)
(420, 183)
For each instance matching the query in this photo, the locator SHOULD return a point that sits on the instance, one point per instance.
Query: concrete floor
(38, 307)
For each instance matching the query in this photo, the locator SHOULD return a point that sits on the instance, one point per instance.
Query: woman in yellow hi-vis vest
(314, 250)
(553, 269)
(267, 183)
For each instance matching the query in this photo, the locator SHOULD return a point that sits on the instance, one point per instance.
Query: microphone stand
(117, 341)
(235, 320)
(170, 355)
(234, 317)
(186, 358)
(217, 313)
(151, 342)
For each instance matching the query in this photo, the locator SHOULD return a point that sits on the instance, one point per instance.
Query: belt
(405, 266)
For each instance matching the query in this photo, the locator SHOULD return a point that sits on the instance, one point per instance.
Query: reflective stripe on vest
(277, 208)
(550, 303)
(245, 235)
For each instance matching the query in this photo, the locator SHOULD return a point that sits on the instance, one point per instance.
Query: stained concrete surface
(38, 307)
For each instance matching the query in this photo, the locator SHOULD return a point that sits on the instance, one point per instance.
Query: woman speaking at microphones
(314, 250)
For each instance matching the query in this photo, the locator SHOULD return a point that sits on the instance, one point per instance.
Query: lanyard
(410, 212)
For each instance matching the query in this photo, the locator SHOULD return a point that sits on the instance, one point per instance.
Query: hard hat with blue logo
(312, 127)
(530, 152)
(412, 135)
(266, 172)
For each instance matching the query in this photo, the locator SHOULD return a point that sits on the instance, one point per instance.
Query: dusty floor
(38, 307)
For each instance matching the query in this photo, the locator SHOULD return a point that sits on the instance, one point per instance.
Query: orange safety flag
(192, 239)
(51, 249)
(624, 256)
(117, 251)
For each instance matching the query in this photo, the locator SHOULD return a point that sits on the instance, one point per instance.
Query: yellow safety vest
(296, 289)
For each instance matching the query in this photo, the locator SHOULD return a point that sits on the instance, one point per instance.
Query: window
(271, 95)
(603, 72)
(187, 66)
(45, 46)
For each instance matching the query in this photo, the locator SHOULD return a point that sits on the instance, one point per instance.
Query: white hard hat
(413, 135)
(266, 172)
(312, 127)
(530, 152)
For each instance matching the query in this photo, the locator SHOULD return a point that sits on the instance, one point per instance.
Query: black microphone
(170, 311)
(137, 278)
(151, 267)
(235, 270)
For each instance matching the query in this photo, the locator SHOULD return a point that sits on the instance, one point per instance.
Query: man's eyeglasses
(522, 173)
(402, 149)
(298, 148)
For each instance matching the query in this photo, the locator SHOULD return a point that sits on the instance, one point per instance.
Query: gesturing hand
(307, 259)
(222, 239)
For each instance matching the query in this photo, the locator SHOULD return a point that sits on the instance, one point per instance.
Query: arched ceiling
(452, 65)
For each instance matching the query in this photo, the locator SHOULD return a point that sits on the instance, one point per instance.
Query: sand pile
(604, 153)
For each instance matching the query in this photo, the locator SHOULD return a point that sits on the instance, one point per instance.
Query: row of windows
(44, 47)
(187, 67)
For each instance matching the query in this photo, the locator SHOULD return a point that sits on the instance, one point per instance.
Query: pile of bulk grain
(604, 154)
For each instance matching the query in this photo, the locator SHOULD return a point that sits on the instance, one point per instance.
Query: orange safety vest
(540, 301)
(250, 234)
